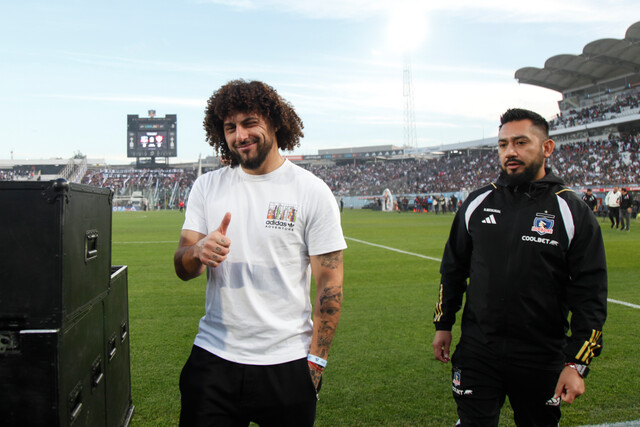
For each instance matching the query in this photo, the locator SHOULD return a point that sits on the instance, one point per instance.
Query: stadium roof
(600, 60)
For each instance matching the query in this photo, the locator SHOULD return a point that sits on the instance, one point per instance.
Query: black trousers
(614, 214)
(217, 392)
(481, 384)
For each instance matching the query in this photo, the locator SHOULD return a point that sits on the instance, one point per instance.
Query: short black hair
(517, 114)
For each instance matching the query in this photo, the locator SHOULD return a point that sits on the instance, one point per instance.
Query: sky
(72, 70)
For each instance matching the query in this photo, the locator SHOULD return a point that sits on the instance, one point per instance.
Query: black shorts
(217, 392)
(480, 385)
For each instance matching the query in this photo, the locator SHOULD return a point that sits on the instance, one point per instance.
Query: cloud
(544, 11)
(551, 11)
(121, 62)
(236, 4)
(130, 99)
(327, 9)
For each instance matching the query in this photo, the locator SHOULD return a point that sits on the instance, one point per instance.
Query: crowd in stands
(579, 160)
(444, 174)
(125, 180)
(598, 162)
(160, 188)
(15, 174)
(596, 112)
(612, 160)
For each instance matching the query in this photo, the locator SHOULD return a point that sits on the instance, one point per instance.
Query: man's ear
(547, 147)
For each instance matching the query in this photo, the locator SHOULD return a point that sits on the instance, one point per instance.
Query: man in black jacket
(590, 200)
(625, 209)
(533, 253)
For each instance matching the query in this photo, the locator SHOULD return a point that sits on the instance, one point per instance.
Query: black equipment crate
(117, 350)
(54, 377)
(56, 251)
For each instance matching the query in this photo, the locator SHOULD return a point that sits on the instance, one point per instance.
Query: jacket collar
(534, 187)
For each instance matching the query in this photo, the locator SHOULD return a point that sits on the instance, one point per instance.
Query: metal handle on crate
(112, 347)
(91, 245)
(123, 331)
(75, 403)
(96, 372)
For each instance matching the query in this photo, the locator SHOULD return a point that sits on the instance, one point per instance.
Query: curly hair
(241, 96)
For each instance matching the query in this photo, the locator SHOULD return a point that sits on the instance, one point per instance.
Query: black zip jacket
(532, 253)
(590, 200)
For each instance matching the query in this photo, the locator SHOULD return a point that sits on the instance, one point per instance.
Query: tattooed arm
(327, 272)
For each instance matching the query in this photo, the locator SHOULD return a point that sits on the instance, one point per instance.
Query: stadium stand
(144, 188)
(625, 104)
(613, 160)
(597, 134)
(411, 177)
(43, 170)
(609, 160)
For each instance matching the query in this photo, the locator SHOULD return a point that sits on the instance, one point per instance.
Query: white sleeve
(324, 232)
(194, 217)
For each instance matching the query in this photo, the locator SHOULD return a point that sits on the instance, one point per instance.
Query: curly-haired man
(257, 356)
(256, 97)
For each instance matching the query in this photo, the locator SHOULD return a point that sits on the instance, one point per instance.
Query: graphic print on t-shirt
(281, 216)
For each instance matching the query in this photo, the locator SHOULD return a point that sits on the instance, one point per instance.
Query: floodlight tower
(410, 139)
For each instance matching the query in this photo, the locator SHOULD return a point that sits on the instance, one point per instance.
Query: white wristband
(317, 360)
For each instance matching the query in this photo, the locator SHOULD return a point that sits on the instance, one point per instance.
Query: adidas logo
(489, 220)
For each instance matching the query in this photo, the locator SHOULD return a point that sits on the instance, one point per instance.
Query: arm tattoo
(328, 275)
(331, 260)
(331, 300)
(325, 336)
(330, 307)
(315, 377)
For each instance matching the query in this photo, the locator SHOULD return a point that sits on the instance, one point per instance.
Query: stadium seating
(583, 162)
(609, 107)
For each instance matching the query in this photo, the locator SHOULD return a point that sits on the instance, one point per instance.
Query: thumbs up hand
(215, 246)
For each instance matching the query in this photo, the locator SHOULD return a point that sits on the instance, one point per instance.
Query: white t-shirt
(258, 309)
(613, 199)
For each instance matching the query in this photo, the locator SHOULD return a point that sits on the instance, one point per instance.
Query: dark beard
(527, 175)
(257, 161)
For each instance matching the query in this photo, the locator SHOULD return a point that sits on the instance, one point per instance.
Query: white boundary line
(618, 424)
(394, 249)
(145, 243)
(630, 424)
(627, 304)
(615, 301)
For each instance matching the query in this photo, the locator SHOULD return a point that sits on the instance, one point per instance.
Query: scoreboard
(151, 136)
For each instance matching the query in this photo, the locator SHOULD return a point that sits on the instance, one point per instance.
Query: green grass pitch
(381, 369)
